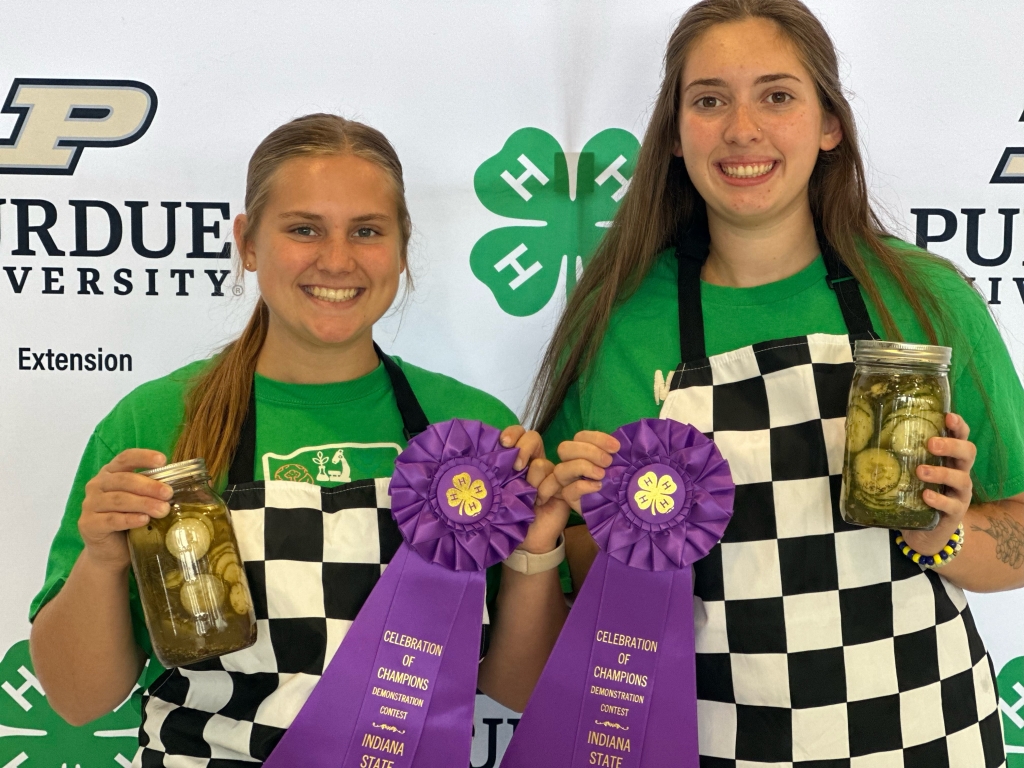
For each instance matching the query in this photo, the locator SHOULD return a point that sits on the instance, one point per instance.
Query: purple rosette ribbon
(401, 688)
(619, 689)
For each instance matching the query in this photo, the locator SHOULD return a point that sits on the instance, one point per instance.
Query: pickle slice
(934, 415)
(876, 471)
(224, 561)
(202, 595)
(188, 537)
(232, 574)
(239, 599)
(885, 503)
(173, 579)
(878, 389)
(204, 519)
(911, 434)
(859, 428)
(147, 536)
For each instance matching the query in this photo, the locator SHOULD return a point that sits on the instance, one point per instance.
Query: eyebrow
(300, 215)
(318, 217)
(717, 82)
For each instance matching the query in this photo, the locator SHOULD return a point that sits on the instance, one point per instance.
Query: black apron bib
(818, 643)
(311, 555)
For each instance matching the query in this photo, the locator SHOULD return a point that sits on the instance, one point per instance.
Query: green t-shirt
(316, 433)
(642, 341)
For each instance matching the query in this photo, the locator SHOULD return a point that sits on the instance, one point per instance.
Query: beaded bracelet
(939, 559)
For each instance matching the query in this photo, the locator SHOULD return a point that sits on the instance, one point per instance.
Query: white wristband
(528, 563)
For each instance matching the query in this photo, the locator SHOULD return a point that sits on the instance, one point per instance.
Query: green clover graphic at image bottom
(32, 734)
(1010, 684)
(529, 180)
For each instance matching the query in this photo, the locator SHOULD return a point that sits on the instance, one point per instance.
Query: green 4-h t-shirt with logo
(315, 433)
(642, 342)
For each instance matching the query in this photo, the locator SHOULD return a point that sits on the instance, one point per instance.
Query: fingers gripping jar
(191, 581)
(898, 401)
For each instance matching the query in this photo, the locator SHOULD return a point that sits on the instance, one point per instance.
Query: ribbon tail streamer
(573, 711)
(412, 598)
(542, 738)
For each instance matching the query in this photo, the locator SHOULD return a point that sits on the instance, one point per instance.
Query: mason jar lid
(901, 352)
(180, 470)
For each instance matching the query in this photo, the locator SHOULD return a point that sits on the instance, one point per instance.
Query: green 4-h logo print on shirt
(529, 180)
(32, 734)
(1011, 702)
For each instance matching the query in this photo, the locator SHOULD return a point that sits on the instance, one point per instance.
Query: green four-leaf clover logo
(529, 180)
(32, 734)
(1011, 702)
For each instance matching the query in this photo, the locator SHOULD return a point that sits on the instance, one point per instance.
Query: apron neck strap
(841, 280)
(414, 421)
(692, 249)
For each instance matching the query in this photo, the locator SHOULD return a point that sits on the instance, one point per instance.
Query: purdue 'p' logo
(57, 119)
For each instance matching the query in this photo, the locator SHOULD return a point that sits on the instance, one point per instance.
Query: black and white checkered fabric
(312, 555)
(818, 643)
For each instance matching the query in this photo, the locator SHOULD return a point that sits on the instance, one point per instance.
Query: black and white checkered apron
(312, 555)
(818, 643)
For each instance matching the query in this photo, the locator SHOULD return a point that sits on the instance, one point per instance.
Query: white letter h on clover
(612, 171)
(1011, 712)
(532, 171)
(18, 694)
(512, 260)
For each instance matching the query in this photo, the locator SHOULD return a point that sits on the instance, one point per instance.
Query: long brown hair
(218, 398)
(661, 197)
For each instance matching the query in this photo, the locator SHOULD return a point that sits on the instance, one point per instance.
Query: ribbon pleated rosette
(401, 688)
(619, 689)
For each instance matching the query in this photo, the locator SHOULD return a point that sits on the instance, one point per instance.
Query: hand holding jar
(958, 454)
(119, 499)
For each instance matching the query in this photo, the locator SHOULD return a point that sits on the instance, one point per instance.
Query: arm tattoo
(1009, 537)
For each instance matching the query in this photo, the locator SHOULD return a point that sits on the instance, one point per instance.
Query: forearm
(530, 613)
(992, 557)
(82, 645)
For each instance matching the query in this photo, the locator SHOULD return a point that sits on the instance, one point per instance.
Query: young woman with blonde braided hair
(326, 231)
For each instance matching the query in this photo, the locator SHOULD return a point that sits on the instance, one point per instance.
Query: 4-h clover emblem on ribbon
(655, 493)
(466, 494)
(529, 180)
(33, 734)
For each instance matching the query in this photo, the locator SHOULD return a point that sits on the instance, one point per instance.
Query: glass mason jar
(191, 581)
(898, 401)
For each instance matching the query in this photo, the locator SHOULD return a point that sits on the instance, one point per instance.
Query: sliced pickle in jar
(876, 471)
(878, 389)
(188, 537)
(936, 417)
(203, 595)
(148, 536)
(201, 516)
(910, 435)
(859, 428)
(232, 574)
(239, 600)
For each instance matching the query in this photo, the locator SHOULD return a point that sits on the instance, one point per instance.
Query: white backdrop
(937, 89)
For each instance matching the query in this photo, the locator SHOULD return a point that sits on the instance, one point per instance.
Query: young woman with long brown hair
(743, 261)
(326, 230)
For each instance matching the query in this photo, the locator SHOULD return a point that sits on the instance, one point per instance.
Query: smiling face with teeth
(328, 256)
(750, 124)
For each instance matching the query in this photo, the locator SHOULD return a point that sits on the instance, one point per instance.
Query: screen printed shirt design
(330, 464)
